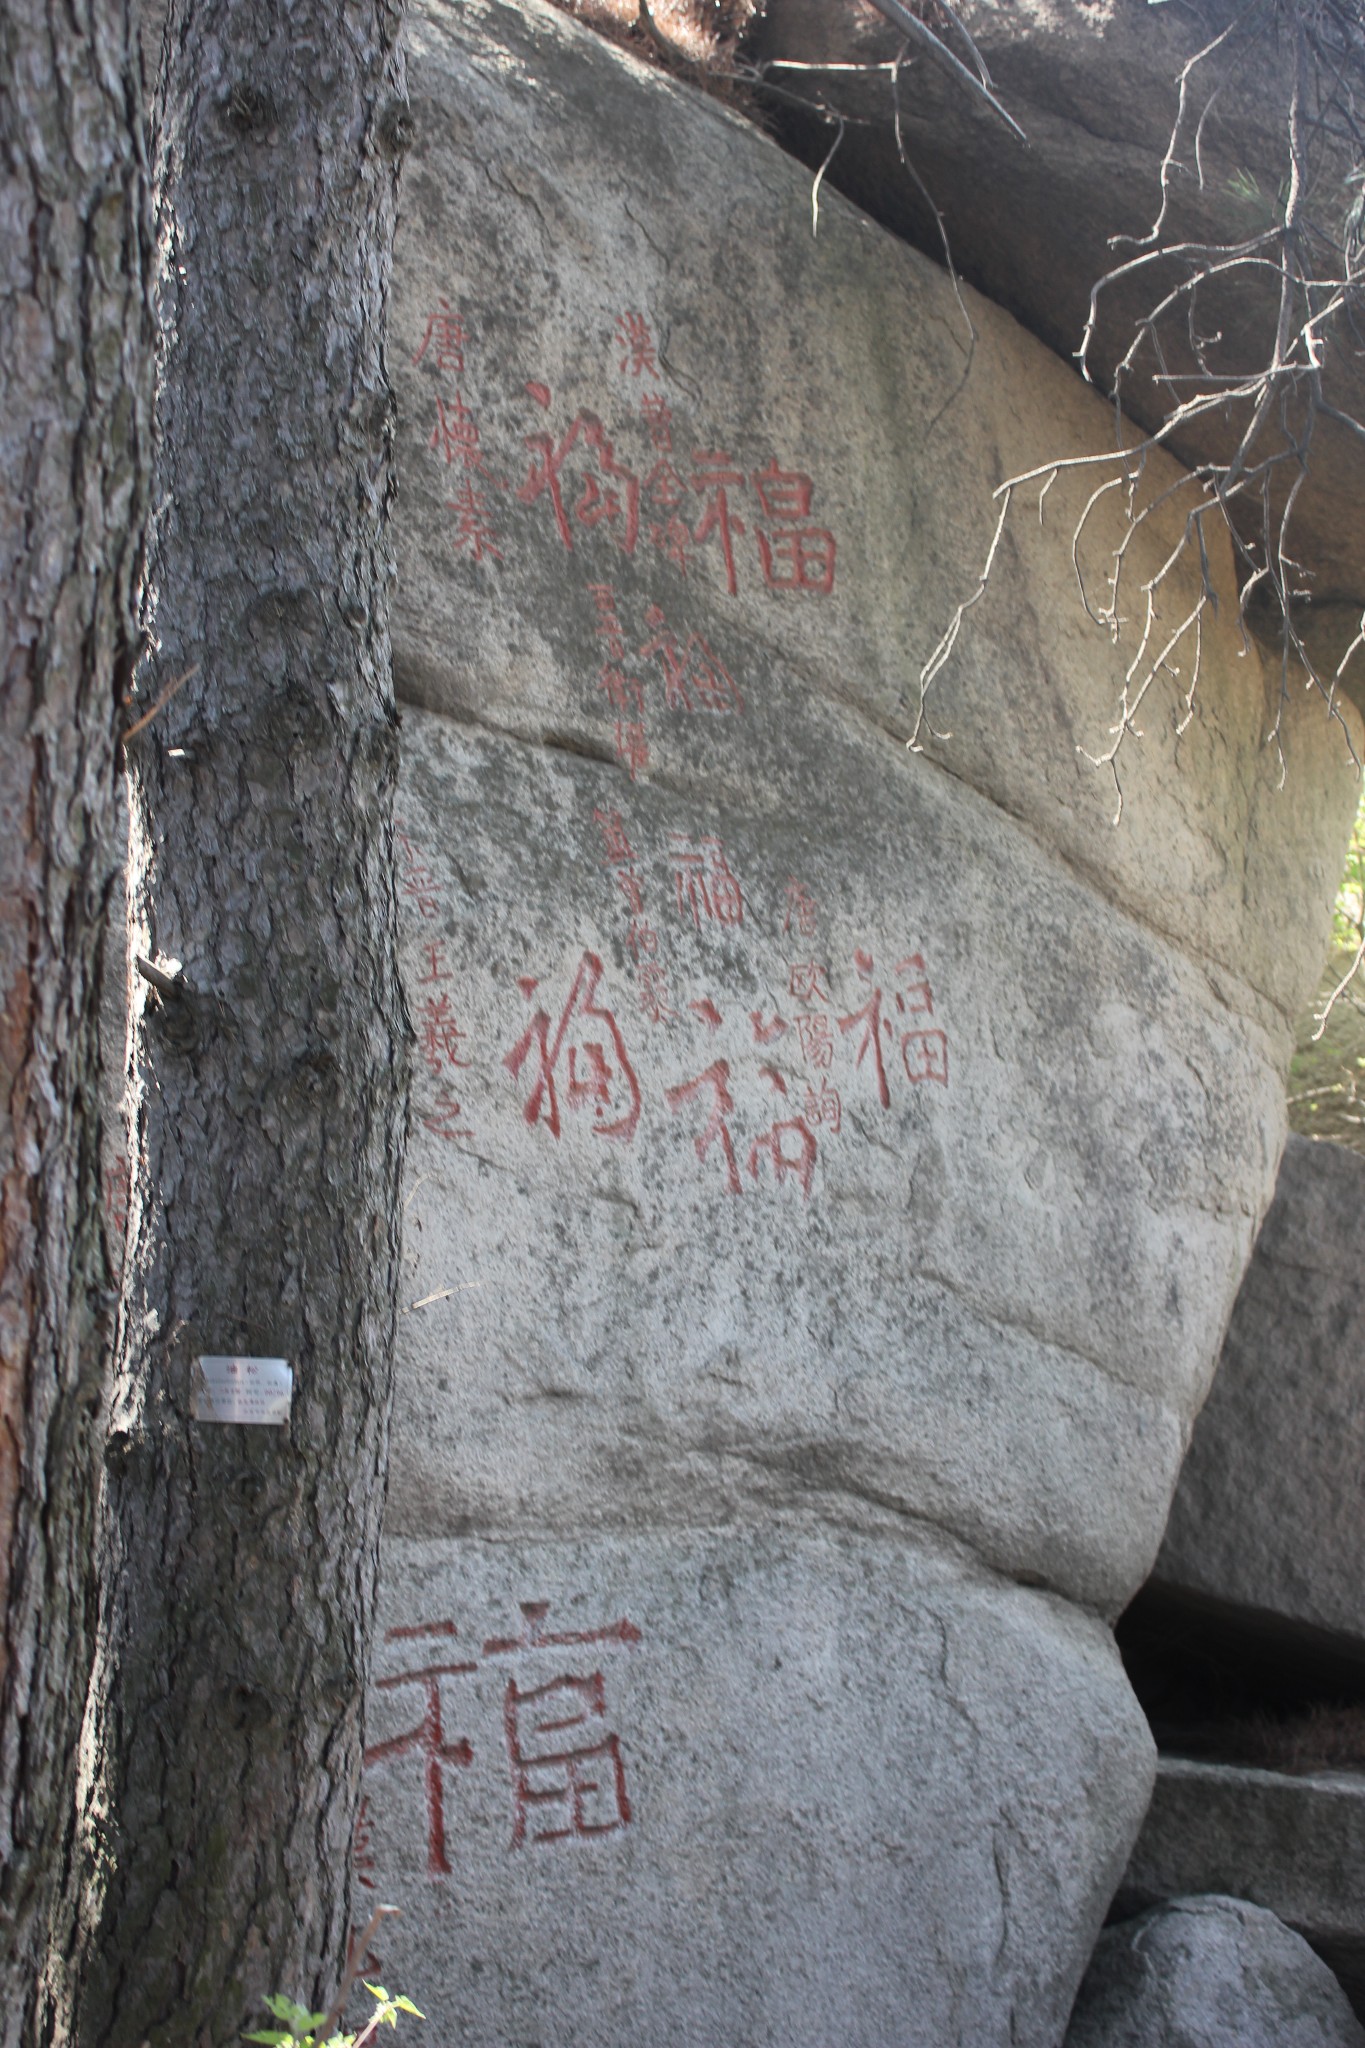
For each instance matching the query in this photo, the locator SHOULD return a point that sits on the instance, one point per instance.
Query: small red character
(445, 337)
(704, 882)
(474, 529)
(434, 955)
(652, 992)
(764, 1034)
(658, 416)
(440, 1036)
(638, 355)
(664, 487)
(801, 905)
(622, 692)
(805, 982)
(629, 884)
(817, 1041)
(632, 746)
(825, 1108)
(456, 434)
(673, 539)
(620, 852)
(416, 879)
(446, 1118)
(716, 1078)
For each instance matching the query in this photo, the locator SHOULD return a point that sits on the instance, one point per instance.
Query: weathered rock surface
(1267, 1512)
(790, 1784)
(1094, 84)
(1209, 1973)
(832, 1166)
(1295, 1845)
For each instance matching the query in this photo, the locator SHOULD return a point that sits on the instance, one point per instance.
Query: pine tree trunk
(271, 1041)
(75, 399)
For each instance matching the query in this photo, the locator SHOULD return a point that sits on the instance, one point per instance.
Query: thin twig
(131, 732)
(355, 1955)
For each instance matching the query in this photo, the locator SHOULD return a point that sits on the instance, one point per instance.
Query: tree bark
(271, 1044)
(75, 400)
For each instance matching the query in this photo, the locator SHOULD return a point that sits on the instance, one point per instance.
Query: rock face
(1267, 1512)
(1095, 86)
(832, 1165)
(1209, 1973)
(1295, 1845)
(796, 1783)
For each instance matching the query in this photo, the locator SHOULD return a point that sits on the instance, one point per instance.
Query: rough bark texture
(271, 1080)
(75, 395)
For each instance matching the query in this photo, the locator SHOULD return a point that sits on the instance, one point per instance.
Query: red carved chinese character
(417, 880)
(642, 938)
(806, 982)
(444, 1120)
(620, 852)
(584, 1781)
(764, 1034)
(434, 954)
(547, 465)
(716, 1078)
(629, 884)
(429, 1741)
(825, 1108)
(704, 881)
(474, 529)
(673, 540)
(636, 343)
(870, 1017)
(622, 692)
(612, 1091)
(659, 418)
(817, 1041)
(445, 336)
(801, 1162)
(794, 557)
(801, 906)
(652, 993)
(440, 1035)
(632, 746)
(664, 487)
(715, 477)
(925, 1054)
(456, 434)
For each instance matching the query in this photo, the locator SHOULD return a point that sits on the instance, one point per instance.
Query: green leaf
(298, 2016)
(375, 1990)
(406, 2005)
(273, 2040)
